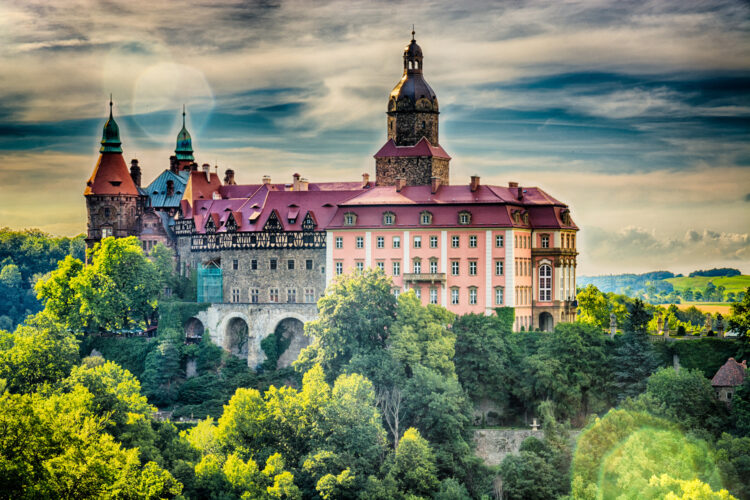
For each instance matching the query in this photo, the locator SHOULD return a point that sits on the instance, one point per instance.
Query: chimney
(400, 183)
(365, 179)
(266, 179)
(135, 172)
(520, 193)
(435, 184)
(170, 188)
(474, 183)
(512, 184)
(229, 177)
(173, 164)
(295, 182)
(303, 184)
(207, 170)
(193, 167)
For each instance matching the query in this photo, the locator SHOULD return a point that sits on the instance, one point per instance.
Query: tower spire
(111, 134)
(412, 33)
(184, 149)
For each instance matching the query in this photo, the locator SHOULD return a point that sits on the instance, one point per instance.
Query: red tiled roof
(422, 148)
(731, 374)
(200, 187)
(110, 176)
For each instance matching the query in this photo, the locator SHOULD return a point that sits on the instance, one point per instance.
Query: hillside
(730, 283)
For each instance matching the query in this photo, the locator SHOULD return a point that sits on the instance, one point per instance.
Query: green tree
(634, 359)
(593, 307)
(117, 289)
(354, 320)
(741, 408)
(733, 459)
(482, 357)
(38, 352)
(686, 397)
(414, 465)
(532, 473)
(739, 321)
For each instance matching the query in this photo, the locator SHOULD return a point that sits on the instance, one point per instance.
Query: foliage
(117, 290)
(274, 346)
(38, 352)
(482, 358)
(664, 486)
(739, 321)
(414, 465)
(723, 271)
(733, 459)
(354, 319)
(741, 407)
(635, 358)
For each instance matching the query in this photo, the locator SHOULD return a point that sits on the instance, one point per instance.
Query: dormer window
(425, 218)
(350, 219)
(115, 183)
(464, 217)
(389, 218)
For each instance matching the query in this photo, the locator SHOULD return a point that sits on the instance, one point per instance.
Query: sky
(636, 114)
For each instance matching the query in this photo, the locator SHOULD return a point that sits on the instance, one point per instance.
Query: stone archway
(194, 330)
(546, 322)
(291, 333)
(236, 337)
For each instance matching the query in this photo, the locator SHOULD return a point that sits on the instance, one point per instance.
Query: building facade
(469, 247)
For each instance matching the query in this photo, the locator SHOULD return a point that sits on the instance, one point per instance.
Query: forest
(382, 404)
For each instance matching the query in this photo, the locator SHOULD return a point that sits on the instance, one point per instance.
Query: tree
(38, 352)
(414, 465)
(634, 358)
(593, 307)
(482, 357)
(733, 459)
(117, 289)
(739, 321)
(354, 320)
(686, 397)
(741, 408)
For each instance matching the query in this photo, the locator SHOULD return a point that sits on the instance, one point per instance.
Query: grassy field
(708, 307)
(732, 284)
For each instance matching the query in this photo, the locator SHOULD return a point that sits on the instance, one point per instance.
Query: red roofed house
(730, 376)
(264, 253)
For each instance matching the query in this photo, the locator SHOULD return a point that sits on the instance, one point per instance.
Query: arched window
(545, 283)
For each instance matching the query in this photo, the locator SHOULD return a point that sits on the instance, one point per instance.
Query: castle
(264, 253)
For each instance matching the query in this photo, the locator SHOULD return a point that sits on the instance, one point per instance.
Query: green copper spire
(184, 150)
(111, 134)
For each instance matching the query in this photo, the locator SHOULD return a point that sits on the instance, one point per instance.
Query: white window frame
(499, 267)
(397, 242)
(339, 242)
(545, 283)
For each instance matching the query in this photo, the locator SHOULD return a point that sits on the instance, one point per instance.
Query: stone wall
(493, 445)
(124, 211)
(416, 170)
(245, 279)
(407, 128)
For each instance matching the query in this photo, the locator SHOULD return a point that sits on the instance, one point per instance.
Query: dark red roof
(201, 186)
(111, 176)
(731, 374)
(422, 148)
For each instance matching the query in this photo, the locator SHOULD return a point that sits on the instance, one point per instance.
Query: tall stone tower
(113, 202)
(412, 152)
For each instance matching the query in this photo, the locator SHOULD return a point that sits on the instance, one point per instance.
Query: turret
(184, 149)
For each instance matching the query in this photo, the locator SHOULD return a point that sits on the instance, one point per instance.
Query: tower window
(424, 124)
(106, 212)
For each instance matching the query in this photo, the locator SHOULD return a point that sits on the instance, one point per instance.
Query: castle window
(273, 264)
(380, 242)
(499, 295)
(381, 265)
(290, 264)
(433, 241)
(273, 295)
(350, 219)
(473, 296)
(291, 295)
(339, 242)
(235, 264)
(417, 242)
(235, 295)
(417, 266)
(360, 242)
(254, 296)
(360, 266)
(107, 212)
(397, 242)
(545, 241)
(396, 268)
(389, 218)
(309, 295)
(455, 241)
(106, 232)
(499, 241)
(339, 267)
(418, 292)
(433, 266)
(464, 218)
(455, 266)
(309, 264)
(433, 296)
(454, 296)
(472, 241)
(545, 283)
(498, 268)
(254, 264)
(472, 268)
(425, 218)
(424, 125)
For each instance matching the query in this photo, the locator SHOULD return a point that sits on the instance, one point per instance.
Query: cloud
(638, 249)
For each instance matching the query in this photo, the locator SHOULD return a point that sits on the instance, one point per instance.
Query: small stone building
(730, 376)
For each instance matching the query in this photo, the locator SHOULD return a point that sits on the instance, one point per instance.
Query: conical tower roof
(184, 149)
(111, 134)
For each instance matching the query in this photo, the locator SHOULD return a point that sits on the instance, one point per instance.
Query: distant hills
(712, 285)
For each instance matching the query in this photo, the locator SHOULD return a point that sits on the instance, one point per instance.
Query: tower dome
(111, 135)
(184, 149)
(412, 92)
